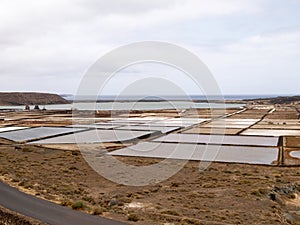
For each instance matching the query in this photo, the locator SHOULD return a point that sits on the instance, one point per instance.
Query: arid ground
(225, 193)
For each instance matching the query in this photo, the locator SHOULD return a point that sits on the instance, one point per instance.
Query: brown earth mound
(30, 98)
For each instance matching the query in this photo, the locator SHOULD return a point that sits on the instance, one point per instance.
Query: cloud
(58, 31)
(264, 50)
(258, 64)
(57, 40)
(179, 11)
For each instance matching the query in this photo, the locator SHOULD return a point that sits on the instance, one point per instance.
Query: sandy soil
(223, 194)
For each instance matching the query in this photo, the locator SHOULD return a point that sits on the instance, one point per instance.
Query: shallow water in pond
(219, 139)
(238, 154)
(36, 133)
(295, 154)
(95, 136)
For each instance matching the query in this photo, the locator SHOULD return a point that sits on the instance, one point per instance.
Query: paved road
(45, 211)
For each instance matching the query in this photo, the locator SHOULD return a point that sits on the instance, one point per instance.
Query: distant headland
(30, 98)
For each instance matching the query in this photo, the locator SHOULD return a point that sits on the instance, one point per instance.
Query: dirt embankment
(12, 218)
(30, 98)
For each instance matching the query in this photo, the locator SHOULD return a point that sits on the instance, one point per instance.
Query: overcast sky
(250, 46)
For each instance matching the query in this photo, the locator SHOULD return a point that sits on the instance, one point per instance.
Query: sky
(250, 46)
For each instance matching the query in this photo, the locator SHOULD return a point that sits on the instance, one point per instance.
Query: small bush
(27, 150)
(89, 199)
(78, 205)
(175, 184)
(272, 196)
(98, 211)
(65, 202)
(170, 212)
(292, 196)
(73, 168)
(75, 153)
(263, 191)
(78, 191)
(15, 180)
(133, 217)
(255, 192)
(207, 185)
(260, 191)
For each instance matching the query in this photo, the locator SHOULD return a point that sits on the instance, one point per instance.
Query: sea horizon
(70, 97)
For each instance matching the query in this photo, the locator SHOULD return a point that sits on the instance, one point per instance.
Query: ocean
(110, 102)
(130, 106)
(169, 97)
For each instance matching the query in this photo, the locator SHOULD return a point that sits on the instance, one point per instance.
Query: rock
(27, 107)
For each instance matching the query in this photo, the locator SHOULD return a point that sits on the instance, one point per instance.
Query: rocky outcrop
(30, 98)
